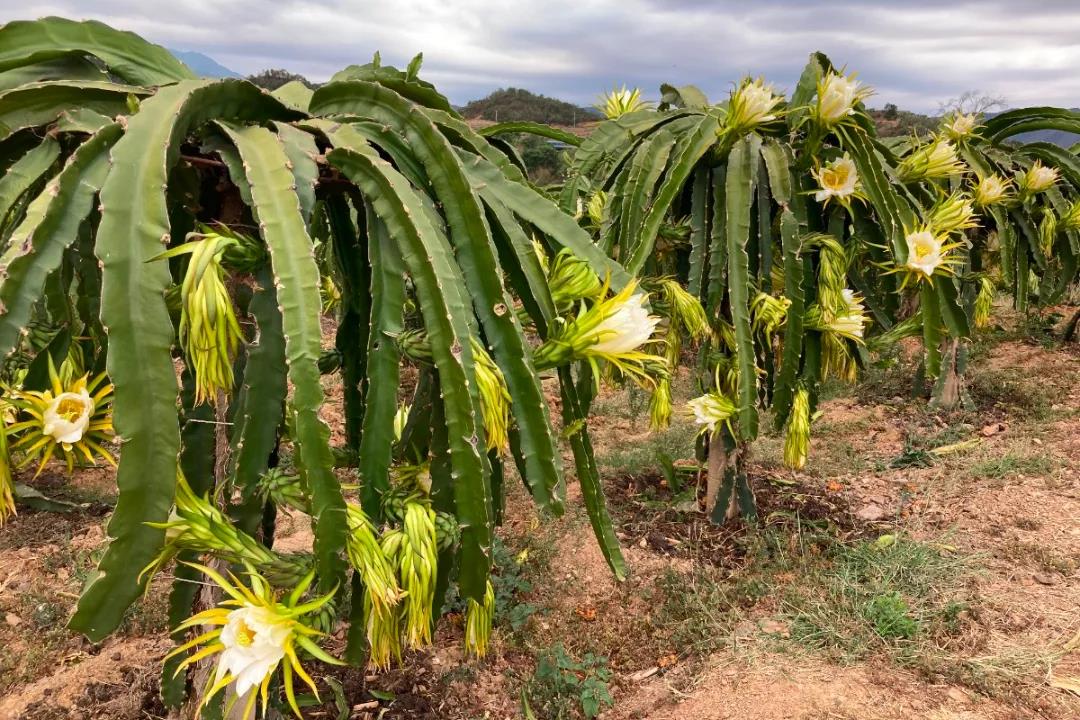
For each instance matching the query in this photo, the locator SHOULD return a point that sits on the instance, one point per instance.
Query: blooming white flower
(752, 104)
(68, 416)
(838, 179)
(991, 190)
(837, 95)
(924, 252)
(626, 329)
(1038, 178)
(254, 639)
(851, 322)
(710, 410)
(959, 126)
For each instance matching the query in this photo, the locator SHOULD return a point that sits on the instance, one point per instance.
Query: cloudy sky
(916, 53)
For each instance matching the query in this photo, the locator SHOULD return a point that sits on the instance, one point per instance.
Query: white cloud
(916, 54)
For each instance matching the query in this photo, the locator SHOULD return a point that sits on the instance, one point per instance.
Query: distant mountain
(203, 65)
(1057, 137)
(517, 104)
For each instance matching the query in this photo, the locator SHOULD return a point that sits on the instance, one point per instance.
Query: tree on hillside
(973, 101)
(518, 104)
(273, 78)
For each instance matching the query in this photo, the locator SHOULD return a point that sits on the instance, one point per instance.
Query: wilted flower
(959, 126)
(494, 398)
(478, 619)
(414, 551)
(984, 302)
(797, 437)
(936, 159)
(838, 179)
(1037, 179)
(711, 409)
(401, 418)
(620, 101)
(595, 208)
(768, 312)
(660, 405)
(851, 322)
(837, 96)
(952, 214)
(751, 105)
(847, 321)
(209, 331)
(993, 190)
(255, 632)
(7, 484)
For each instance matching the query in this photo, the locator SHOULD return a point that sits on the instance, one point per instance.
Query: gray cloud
(916, 53)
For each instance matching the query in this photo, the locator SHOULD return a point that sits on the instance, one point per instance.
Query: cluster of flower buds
(199, 526)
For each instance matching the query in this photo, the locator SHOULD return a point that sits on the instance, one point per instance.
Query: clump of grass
(891, 594)
(1012, 464)
(1012, 390)
(675, 442)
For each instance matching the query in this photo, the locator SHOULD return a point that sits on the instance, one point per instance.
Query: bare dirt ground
(925, 565)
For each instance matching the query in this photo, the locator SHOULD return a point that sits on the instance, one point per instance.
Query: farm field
(341, 400)
(785, 620)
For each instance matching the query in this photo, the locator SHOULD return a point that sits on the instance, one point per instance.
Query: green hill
(517, 104)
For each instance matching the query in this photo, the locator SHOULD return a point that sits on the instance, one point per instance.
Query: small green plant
(1012, 464)
(562, 687)
(888, 614)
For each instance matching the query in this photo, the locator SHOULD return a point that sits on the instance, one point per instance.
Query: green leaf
(542, 213)
(42, 103)
(277, 210)
(52, 224)
(24, 174)
(739, 195)
(66, 67)
(260, 399)
(125, 54)
(446, 316)
(294, 94)
(134, 225)
(784, 387)
(692, 147)
(383, 363)
(574, 415)
(530, 128)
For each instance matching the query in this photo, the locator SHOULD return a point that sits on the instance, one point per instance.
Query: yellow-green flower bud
(936, 159)
(797, 437)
